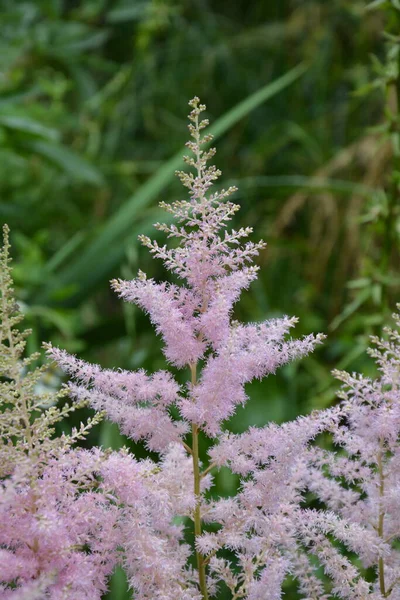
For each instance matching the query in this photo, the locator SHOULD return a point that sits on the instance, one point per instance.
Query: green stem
(381, 564)
(209, 468)
(197, 511)
(201, 564)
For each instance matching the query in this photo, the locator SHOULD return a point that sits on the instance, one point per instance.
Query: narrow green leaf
(11, 100)
(55, 317)
(118, 586)
(351, 308)
(27, 125)
(90, 42)
(73, 164)
(362, 282)
(376, 4)
(110, 436)
(355, 352)
(246, 106)
(84, 80)
(64, 252)
(127, 13)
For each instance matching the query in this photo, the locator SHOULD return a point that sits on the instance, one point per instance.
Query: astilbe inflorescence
(20, 436)
(273, 531)
(194, 321)
(359, 483)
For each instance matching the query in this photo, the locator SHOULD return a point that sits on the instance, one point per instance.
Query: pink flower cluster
(58, 536)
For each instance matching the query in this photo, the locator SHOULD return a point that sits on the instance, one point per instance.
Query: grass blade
(75, 165)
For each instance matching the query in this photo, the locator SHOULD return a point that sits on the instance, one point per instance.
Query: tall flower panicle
(360, 485)
(215, 265)
(194, 319)
(27, 414)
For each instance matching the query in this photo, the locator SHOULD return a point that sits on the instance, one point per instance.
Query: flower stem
(197, 511)
(381, 564)
(209, 468)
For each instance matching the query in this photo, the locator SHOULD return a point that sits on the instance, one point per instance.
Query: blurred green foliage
(93, 104)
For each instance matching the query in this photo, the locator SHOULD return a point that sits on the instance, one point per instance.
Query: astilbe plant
(221, 356)
(359, 483)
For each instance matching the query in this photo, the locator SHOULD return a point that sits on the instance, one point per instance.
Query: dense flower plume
(137, 402)
(152, 546)
(361, 485)
(323, 516)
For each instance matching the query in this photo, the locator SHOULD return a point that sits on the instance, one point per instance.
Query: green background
(303, 95)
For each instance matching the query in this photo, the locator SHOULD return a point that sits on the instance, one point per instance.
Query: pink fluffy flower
(59, 530)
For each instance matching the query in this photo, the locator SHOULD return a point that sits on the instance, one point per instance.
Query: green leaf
(75, 165)
(27, 125)
(107, 250)
(362, 282)
(351, 308)
(376, 4)
(118, 586)
(359, 348)
(246, 106)
(61, 321)
(64, 252)
(127, 13)
(11, 100)
(110, 436)
(84, 80)
(90, 42)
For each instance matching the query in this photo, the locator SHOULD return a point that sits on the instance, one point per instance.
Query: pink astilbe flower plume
(138, 402)
(154, 553)
(171, 310)
(360, 485)
(194, 320)
(251, 351)
(59, 530)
